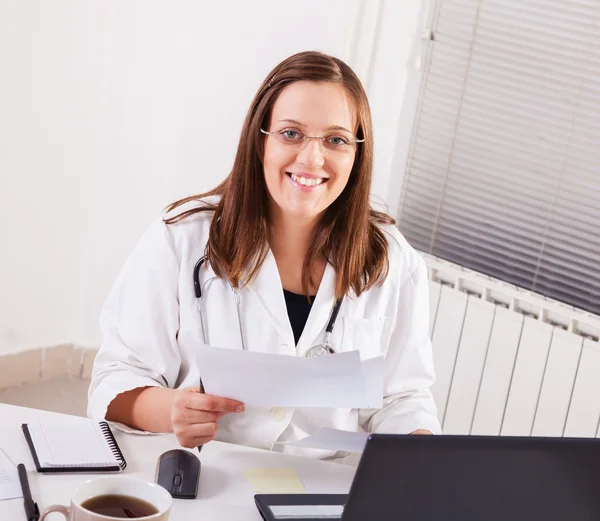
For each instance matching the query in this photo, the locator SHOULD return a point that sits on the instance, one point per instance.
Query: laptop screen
(476, 478)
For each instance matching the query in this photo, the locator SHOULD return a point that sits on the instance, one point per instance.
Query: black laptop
(458, 478)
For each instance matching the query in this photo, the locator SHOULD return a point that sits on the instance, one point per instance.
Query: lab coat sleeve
(408, 370)
(139, 323)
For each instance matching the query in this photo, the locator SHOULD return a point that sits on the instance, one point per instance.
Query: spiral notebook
(73, 444)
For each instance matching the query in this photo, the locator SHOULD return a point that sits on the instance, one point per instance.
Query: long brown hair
(348, 234)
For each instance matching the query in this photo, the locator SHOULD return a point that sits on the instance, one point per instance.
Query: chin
(303, 211)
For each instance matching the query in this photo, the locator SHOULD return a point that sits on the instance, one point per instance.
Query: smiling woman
(303, 171)
(308, 163)
(292, 233)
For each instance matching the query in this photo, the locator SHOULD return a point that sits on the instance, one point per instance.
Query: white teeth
(306, 181)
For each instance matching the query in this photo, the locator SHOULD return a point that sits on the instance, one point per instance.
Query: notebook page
(71, 442)
(10, 486)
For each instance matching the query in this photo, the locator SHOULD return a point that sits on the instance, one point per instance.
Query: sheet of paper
(333, 439)
(373, 377)
(10, 486)
(268, 380)
(274, 481)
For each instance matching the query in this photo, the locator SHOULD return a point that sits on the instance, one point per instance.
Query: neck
(289, 240)
(290, 237)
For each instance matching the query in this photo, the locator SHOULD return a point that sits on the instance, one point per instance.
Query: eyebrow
(295, 122)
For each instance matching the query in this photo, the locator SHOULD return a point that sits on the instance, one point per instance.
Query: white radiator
(509, 361)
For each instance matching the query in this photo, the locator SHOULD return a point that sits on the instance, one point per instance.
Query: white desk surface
(223, 493)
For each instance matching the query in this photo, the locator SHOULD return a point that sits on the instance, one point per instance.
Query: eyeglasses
(297, 141)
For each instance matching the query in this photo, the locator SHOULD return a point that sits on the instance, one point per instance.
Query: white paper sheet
(10, 486)
(373, 377)
(268, 380)
(333, 439)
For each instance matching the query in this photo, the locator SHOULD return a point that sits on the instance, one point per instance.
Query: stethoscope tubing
(198, 290)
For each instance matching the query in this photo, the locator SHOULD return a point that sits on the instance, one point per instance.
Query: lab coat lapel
(320, 312)
(268, 289)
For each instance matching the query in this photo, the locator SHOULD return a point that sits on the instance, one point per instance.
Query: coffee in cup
(115, 498)
(119, 506)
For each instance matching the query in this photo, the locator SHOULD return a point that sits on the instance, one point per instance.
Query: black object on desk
(458, 477)
(202, 391)
(178, 472)
(31, 509)
(104, 438)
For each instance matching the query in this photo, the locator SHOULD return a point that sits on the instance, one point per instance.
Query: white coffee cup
(114, 485)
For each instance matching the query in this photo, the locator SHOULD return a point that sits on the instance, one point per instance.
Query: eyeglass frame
(306, 139)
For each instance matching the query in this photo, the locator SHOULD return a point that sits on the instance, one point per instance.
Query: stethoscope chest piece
(320, 350)
(324, 348)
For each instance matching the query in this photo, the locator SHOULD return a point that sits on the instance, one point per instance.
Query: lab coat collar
(320, 312)
(267, 286)
(269, 290)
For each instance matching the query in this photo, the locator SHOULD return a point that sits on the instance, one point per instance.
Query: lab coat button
(277, 413)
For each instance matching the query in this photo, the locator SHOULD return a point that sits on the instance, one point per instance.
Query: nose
(312, 154)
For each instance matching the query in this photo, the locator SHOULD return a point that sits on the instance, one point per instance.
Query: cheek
(273, 160)
(343, 172)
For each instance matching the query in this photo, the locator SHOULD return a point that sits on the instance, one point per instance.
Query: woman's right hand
(194, 415)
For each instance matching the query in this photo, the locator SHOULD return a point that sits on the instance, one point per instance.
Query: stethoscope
(317, 350)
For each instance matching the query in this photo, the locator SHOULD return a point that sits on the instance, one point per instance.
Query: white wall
(388, 60)
(110, 110)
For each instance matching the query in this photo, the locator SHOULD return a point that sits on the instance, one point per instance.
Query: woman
(291, 231)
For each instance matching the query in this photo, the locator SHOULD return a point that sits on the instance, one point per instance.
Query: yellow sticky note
(274, 481)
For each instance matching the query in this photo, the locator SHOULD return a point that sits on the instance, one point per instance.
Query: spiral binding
(112, 443)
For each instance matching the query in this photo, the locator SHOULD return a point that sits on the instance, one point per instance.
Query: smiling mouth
(307, 181)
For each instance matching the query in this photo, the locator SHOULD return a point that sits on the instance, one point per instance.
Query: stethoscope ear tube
(334, 314)
(197, 290)
(198, 293)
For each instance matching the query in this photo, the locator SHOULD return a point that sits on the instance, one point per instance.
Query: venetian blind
(503, 174)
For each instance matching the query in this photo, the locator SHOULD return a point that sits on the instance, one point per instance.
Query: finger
(207, 402)
(183, 396)
(192, 443)
(191, 416)
(196, 430)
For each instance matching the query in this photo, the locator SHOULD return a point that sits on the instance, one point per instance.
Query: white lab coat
(151, 329)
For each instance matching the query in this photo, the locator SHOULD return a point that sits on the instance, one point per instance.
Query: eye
(337, 140)
(289, 134)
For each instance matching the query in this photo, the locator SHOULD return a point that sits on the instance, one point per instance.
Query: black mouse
(178, 471)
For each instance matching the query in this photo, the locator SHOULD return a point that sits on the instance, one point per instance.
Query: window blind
(503, 172)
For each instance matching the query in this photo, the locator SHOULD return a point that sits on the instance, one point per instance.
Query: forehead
(316, 105)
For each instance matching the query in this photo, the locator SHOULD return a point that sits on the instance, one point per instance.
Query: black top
(298, 308)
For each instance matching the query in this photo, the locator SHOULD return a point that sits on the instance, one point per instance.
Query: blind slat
(502, 175)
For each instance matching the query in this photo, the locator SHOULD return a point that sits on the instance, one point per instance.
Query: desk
(223, 493)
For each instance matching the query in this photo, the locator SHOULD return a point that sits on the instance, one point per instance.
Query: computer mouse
(178, 471)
